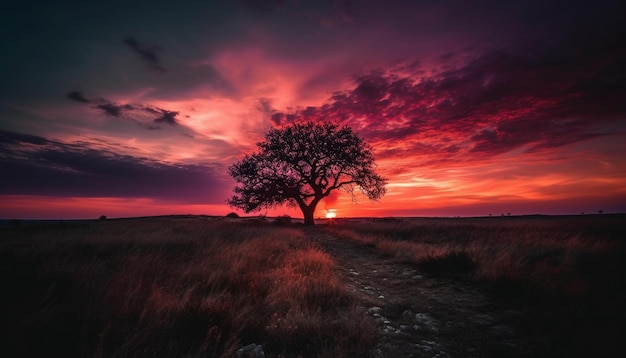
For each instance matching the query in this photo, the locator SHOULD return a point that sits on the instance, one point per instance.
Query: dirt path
(418, 315)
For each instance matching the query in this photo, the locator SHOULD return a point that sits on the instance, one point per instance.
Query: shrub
(450, 263)
(283, 220)
(232, 215)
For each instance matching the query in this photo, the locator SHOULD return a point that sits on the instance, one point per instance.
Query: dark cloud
(534, 96)
(129, 111)
(77, 96)
(33, 165)
(148, 54)
(280, 118)
(114, 110)
(265, 106)
(166, 116)
(11, 138)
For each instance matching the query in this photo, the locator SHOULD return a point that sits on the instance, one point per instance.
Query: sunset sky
(123, 108)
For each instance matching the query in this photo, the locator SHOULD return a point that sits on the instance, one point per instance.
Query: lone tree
(303, 163)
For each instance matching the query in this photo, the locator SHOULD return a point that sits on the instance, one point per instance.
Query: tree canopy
(303, 163)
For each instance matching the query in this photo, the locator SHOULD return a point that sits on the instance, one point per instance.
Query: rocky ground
(422, 316)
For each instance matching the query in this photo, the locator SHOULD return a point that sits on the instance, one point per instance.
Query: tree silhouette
(301, 164)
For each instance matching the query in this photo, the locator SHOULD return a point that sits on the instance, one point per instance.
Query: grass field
(200, 286)
(172, 288)
(567, 275)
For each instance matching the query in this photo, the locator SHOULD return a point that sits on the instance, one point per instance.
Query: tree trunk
(308, 214)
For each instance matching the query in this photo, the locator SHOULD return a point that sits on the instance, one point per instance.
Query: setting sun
(331, 214)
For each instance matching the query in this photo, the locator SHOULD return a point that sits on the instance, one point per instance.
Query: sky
(473, 108)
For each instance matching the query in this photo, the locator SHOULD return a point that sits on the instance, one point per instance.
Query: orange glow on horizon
(42, 207)
(60, 208)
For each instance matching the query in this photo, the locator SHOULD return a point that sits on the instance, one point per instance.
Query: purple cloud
(128, 111)
(148, 54)
(34, 165)
(164, 116)
(498, 100)
(77, 96)
(114, 110)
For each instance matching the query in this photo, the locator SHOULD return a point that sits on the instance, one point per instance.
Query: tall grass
(173, 287)
(555, 253)
(566, 274)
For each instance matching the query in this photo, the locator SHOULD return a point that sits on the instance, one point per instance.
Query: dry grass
(205, 287)
(554, 253)
(567, 275)
(173, 287)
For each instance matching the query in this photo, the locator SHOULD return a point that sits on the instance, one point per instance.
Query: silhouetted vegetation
(301, 164)
(283, 220)
(451, 263)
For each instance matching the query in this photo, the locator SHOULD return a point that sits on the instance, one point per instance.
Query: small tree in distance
(301, 164)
